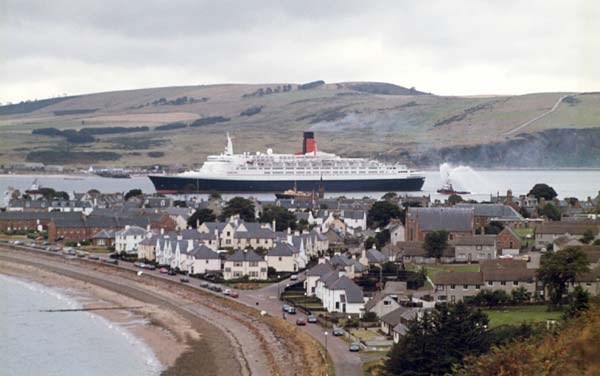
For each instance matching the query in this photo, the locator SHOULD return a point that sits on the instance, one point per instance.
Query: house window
(254, 263)
(386, 302)
(253, 274)
(477, 287)
(490, 283)
(452, 287)
(503, 283)
(465, 287)
(442, 298)
(337, 305)
(206, 261)
(228, 233)
(237, 274)
(452, 299)
(515, 283)
(237, 264)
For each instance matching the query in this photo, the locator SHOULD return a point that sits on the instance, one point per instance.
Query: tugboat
(294, 194)
(447, 189)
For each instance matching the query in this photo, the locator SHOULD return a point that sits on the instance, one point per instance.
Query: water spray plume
(463, 177)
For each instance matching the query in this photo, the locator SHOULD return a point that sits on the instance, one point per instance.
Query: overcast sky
(48, 48)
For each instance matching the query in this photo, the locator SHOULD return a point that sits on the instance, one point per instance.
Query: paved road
(345, 362)
(529, 122)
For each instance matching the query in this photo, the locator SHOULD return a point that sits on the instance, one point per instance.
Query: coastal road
(529, 122)
(344, 361)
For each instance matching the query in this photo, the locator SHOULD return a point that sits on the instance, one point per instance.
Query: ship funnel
(309, 145)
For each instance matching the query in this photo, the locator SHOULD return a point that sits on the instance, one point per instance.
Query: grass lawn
(364, 335)
(520, 314)
(433, 269)
(523, 232)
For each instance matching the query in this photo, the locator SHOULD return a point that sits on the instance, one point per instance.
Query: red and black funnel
(309, 145)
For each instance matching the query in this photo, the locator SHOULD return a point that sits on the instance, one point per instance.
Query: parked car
(227, 292)
(354, 347)
(81, 254)
(285, 308)
(234, 294)
(138, 264)
(337, 332)
(312, 319)
(111, 261)
(292, 311)
(163, 270)
(300, 322)
(93, 257)
(294, 277)
(205, 285)
(184, 280)
(216, 288)
(171, 272)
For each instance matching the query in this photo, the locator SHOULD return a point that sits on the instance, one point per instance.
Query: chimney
(289, 230)
(126, 227)
(148, 227)
(179, 237)
(162, 231)
(274, 225)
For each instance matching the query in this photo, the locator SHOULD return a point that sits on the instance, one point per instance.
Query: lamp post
(326, 342)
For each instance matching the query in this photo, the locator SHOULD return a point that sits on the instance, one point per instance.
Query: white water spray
(463, 178)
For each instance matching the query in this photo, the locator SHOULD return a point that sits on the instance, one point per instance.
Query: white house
(245, 263)
(354, 219)
(397, 233)
(314, 274)
(202, 260)
(127, 240)
(284, 257)
(340, 294)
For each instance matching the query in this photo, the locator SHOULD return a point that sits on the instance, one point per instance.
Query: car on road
(111, 261)
(291, 310)
(354, 347)
(234, 294)
(216, 288)
(172, 272)
(81, 254)
(312, 319)
(205, 285)
(69, 252)
(337, 332)
(294, 277)
(300, 322)
(184, 280)
(285, 307)
(227, 292)
(163, 270)
(94, 257)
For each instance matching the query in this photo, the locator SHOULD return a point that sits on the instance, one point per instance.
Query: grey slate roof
(320, 269)
(132, 231)
(374, 256)
(25, 216)
(395, 317)
(283, 250)
(449, 219)
(353, 292)
(245, 256)
(104, 234)
(202, 252)
(493, 211)
(488, 240)
(354, 214)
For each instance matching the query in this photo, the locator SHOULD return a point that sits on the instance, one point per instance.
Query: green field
(434, 269)
(519, 314)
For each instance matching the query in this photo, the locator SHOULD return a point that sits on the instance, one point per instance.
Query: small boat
(447, 189)
(293, 194)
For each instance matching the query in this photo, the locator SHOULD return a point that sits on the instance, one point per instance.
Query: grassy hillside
(353, 119)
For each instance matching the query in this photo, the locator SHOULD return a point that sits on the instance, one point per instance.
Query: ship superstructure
(307, 170)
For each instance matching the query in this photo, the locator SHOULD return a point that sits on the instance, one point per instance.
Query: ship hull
(177, 184)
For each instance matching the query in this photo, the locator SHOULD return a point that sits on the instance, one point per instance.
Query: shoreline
(161, 333)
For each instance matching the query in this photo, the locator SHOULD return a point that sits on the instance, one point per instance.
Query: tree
(454, 199)
(381, 238)
(133, 193)
(439, 340)
(435, 243)
(382, 212)
(579, 301)
(551, 212)
(523, 211)
(520, 295)
(557, 269)
(543, 191)
(200, 216)
(283, 218)
(239, 206)
(369, 242)
(390, 196)
(588, 236)
(493, 228)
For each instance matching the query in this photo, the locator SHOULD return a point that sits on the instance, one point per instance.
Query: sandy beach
(165, 332)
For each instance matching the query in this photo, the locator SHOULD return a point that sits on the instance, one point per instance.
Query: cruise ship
(309, 170)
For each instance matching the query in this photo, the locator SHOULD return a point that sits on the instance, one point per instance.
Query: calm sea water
(68, 343)
(481, 183)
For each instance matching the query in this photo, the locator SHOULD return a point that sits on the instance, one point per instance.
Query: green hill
(370, 119)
